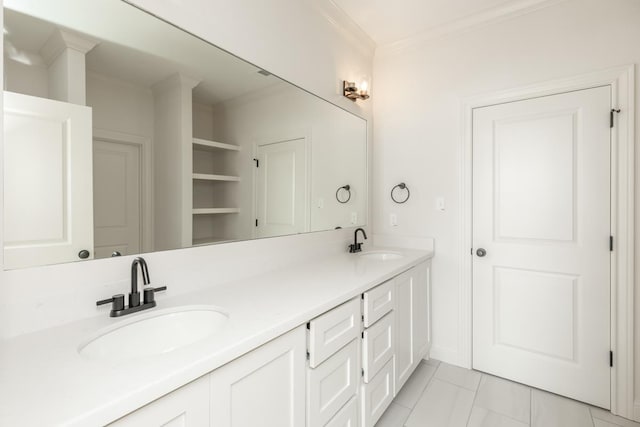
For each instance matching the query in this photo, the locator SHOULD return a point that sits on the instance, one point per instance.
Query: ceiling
(141, 59)
(390, 21)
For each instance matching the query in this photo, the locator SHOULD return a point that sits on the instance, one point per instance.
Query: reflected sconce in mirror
(355, 91)
(345, 195)
(400, 198)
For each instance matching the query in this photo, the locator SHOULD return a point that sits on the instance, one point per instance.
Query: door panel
(541, 203)
(282, 188)
(48, 203)
(117, 198)
(405, 321)
(265, 387)
(332, 384)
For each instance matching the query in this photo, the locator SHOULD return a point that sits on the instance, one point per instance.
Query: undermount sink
(154, 333)
(381, 255)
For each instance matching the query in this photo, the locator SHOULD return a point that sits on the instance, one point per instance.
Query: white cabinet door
(422, 326)
(186, 407)
(378, 302)
(333, 330)
(48, 202)
(377, 346)
(347, 416)
(265, 387)
(405, 315)
(332, 384)
(377, 395)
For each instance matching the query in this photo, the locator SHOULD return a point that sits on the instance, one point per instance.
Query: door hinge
(308, 355)
(362, 372)
(256, 222)
(613, 110)
(471, 251)
(610, 243)
(258, 160)
(611, 359)
(362, 335)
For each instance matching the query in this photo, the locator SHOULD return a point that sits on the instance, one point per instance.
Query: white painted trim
(621, 80)
(146, 176)
(500, 13)
(346, 26)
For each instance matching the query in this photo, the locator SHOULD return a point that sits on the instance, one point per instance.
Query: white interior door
(117, 198)
(282, 188)
(48, 202)
(541, 211)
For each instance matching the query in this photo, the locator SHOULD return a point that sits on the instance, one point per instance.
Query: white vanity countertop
(44, 381)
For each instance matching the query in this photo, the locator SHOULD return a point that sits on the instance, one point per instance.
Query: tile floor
(441, 395)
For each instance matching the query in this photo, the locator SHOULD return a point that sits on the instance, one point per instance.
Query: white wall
(311, 52)
(120, 106)
(418, 111)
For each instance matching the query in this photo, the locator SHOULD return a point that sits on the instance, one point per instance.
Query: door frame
(275, 138)
(146, 179)
(622, 82)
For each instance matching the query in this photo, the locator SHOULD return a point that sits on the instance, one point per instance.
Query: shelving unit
(213, 211)
(215, 186)
(211, 177)
(203, 144)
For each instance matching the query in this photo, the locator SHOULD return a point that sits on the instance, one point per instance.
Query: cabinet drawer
(378, 302)
(347, 416)
(331, 385)
(378, 346)
(333, 330)
(377, 395)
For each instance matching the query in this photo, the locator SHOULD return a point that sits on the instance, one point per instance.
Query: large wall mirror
(126, 135)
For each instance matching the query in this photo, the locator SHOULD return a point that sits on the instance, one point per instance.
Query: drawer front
(378, 302)
(377, 395)
(332, 384)
(378, 346)
(347, 416)
(333, 330)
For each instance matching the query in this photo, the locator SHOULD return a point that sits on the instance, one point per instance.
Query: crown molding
(344, 25)
(469, 23)
(65, 39)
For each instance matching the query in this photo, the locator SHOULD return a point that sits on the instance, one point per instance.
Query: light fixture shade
(356, 90)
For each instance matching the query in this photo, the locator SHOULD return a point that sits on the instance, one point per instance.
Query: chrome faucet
(148, 293)
(357, 247)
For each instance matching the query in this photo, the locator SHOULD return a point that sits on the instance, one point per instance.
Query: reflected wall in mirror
(124, 135)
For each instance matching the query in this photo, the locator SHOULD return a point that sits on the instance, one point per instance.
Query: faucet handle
(117, 300)
(149, 294)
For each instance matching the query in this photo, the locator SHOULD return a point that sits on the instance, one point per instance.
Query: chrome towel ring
(347, 189)
(401, 186)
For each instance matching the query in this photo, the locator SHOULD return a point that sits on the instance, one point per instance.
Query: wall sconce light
(355, 91)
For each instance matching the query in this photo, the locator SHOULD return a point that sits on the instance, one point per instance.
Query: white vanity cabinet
(412, 337)
(265, 387)
(188, 406)
(342, 369)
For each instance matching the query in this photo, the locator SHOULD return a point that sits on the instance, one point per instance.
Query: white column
(64, 54)
(173, 165)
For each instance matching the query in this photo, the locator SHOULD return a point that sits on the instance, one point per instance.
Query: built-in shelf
(210, 240)
(211, 177)
(204, 144)
(212, 211)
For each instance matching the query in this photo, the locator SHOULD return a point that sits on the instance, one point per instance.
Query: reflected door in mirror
(282, 188)
(117, 198)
